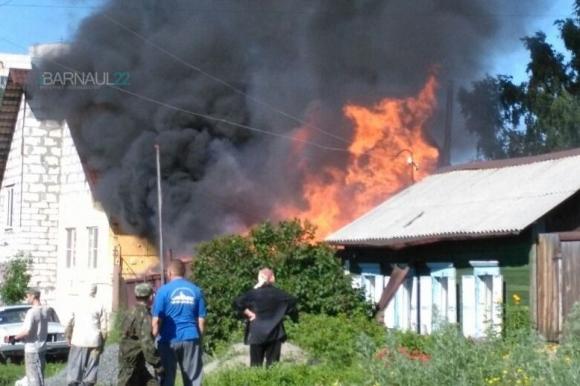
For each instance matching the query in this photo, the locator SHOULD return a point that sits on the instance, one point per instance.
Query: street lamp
(410, 162)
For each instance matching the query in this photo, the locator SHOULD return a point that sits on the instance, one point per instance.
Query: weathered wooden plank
(541, 284)
(548, 294)
(533, 294)
(571, 272)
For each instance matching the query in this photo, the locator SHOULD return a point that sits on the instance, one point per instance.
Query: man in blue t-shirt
(179, 320)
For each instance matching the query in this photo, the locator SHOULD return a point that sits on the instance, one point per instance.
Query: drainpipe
(22, 161)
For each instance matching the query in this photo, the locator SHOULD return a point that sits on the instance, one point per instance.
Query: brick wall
(50, 193)
(33, 173)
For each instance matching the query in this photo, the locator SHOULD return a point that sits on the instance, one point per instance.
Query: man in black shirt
(264, 307)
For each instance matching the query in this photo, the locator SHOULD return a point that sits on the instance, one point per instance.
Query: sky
(27, 22)
(514, 63)
(24, 23)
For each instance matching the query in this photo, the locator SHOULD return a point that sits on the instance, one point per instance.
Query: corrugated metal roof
(469, 202)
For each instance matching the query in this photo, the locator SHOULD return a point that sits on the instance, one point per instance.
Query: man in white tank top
(33, 334)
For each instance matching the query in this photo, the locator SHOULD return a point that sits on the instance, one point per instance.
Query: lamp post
(159, 214)
(410, 162)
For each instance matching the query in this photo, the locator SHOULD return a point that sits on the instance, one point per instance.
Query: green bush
(454, 360)
(15, 279)
(228, 266)
(412, 341)
(571, 333)
(350, 351)
(332, 339)
(518, 320)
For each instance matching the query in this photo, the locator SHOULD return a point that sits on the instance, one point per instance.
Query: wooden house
(460, 243)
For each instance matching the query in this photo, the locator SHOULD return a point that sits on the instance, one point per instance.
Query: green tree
(538, 115)
(226, 267)
(15, 279)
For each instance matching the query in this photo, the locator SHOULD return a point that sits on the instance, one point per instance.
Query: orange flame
(388, 152)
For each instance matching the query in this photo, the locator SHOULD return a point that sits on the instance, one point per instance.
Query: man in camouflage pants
(137, 346)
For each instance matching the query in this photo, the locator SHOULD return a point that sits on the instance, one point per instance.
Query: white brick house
(29, 207)
(47, 209)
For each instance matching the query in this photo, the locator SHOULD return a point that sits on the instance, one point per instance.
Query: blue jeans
(186, 354)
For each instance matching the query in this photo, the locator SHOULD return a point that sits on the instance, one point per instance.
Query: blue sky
(27, 22)
(514, 63)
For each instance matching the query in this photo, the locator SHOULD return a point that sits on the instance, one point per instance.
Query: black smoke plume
(259, 64)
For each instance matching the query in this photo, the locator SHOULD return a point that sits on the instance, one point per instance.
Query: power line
(221, 81)
(44, 6)
(222, 120)
(205, 116)
(230, 86)
(283, 12)
(213, 118)
(200, 115)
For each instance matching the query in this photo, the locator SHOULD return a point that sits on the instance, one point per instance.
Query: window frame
(9, 207)
(92, 246)
(70, 247)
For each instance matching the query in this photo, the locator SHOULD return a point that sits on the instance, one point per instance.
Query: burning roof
(469, 201)
(390, 150)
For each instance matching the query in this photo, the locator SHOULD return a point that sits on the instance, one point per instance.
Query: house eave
(400, 243)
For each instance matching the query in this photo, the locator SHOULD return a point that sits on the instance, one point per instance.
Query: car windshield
(17, 315)
(13, 316)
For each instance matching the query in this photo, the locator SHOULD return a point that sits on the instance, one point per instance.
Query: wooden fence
(557, 284)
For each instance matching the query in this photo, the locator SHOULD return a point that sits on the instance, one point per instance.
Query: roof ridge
(474, 204)
(508, 162)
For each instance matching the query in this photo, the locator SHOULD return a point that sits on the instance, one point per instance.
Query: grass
(10, 373)
(518, 279)
(287, 374)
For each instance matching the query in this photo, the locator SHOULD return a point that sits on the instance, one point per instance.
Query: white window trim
(444, 272)
(484, 273)
(70, 247)
(92, 246)
(9, 207)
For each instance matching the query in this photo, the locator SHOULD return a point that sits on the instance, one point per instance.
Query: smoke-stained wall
(223, 85)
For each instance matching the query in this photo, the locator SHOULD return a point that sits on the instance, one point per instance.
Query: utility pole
(445, 159)
(160, 214)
